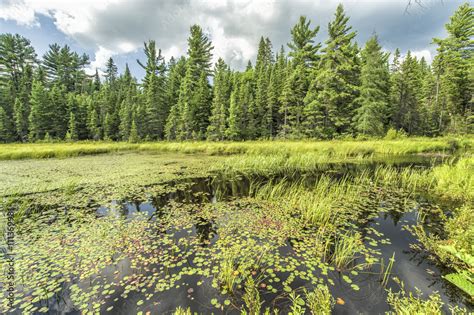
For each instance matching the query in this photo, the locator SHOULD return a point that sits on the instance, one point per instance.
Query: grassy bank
(335, 148)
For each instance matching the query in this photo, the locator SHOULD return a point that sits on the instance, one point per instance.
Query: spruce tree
(330, 102)
(453, 65)
(134, 138)
(292, 100)
(39, 118)
(220, 102)
(21, 119)
(406, 96)
(72, 129)
(4, 132)
(374, 91)
(235, 120)
(193, 107)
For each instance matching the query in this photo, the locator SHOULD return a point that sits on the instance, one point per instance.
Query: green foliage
(404, 303)
(374, 90)
(318, 91)
(319, 301)
(330, 102)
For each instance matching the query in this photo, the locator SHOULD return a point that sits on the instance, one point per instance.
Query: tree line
(315, 90)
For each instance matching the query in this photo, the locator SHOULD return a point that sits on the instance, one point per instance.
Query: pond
(209, 239)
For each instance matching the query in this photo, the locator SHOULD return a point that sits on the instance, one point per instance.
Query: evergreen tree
(374, 90)
(292, 100)
(111, 72)
(193, 107)
(4, 132)
(96, 82)
(201, 111)
(304, 54)
(57, 112)
(177, 73)
(272, 118)
(220, 102)
(235, 127)
(72, 130)
(134, 133)
(406, 96)
(303, 49)
(453, 65)
(65, 67)
(39, 122)
(330, 102)
(21, 119)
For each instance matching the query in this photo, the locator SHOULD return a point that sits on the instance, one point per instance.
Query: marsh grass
(347, 248)
(334, 148)
(320, 204)
(385, 272)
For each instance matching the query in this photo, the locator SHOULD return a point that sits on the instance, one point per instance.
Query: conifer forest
(328, 176)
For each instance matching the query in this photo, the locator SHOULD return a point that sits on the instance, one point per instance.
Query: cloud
(425, 53)
(115, 27)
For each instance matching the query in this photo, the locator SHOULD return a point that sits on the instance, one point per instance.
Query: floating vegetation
(305, 237)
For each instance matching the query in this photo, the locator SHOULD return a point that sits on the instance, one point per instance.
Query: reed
(333, 148)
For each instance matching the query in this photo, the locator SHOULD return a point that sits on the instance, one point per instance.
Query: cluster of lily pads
(282, 247)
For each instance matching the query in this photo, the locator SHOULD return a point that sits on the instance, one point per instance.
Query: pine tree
(193, 107)
(39, 121)
(374, 90)
(72, 130)
(235, 127)
(330, 102)
(21, 119)
(292, 100)
(65, 67)
(156, 106)
(4, 133)
(201, 110)
(134, 138)
(406, 96)
(93, 121)
(453, 65)
(57, 111)
(220, 102)
(304, 54)
(111, 72)
(303, 49)
(177, 73)
(277, 80)
(96, 82)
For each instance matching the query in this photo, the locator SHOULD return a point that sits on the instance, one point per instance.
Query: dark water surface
(385, 232)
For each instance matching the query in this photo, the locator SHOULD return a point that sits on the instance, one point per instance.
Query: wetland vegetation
(249, 228)
(335, 178)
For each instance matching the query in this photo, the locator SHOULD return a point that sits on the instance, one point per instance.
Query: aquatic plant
(251, 298)
(297, 304)
(347, 248)
(181, 311)
(319, 301)
(386, 271)
(406, 303)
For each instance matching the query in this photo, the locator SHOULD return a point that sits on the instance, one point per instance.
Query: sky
(118, 28)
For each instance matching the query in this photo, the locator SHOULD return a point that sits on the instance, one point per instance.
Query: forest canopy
(307, 89)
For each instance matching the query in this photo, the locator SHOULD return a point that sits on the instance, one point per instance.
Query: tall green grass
(334, 148)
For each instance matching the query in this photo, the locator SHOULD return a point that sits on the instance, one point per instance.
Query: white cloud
(423, 53)
(100, 58)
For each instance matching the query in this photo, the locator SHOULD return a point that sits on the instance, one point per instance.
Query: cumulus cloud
(113, 27)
